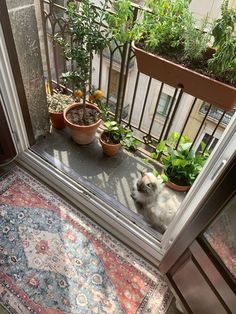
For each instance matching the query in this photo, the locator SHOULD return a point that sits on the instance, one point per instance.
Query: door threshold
(101, 210)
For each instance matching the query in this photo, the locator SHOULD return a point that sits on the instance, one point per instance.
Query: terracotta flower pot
(57, 120)
(212, 91)
(109, 149)
(176, 187)
(81, 134)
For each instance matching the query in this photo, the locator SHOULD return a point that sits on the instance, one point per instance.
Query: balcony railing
(138, 99)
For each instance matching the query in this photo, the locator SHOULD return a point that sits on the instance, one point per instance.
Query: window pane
(221, 235)
(164, 104)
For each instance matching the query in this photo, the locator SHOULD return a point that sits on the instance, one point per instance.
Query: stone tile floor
(114, 176)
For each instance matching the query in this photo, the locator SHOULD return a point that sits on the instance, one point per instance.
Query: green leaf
(161, 147)
(155, 172)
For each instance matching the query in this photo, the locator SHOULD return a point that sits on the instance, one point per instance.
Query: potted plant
(169, 48)
(57, 102)
(181, 164)
(111, 137)
(85, 36)
(115, 135)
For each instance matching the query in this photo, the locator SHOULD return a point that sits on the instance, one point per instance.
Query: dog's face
(147, 183)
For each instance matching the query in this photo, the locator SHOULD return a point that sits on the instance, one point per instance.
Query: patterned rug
(53, 259)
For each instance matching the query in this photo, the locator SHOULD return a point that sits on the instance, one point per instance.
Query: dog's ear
(142, 172)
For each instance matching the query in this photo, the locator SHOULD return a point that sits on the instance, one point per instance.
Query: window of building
(164, 104)
(210, 141)
(216, 113)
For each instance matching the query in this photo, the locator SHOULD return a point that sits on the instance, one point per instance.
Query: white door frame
(212, 169)
(10, 99)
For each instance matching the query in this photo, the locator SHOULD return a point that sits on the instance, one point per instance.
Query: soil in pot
(75, 116)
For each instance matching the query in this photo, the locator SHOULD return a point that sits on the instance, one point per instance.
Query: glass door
(220, 238)
(17, 134)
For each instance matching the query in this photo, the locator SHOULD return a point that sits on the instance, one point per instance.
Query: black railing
(134, 91)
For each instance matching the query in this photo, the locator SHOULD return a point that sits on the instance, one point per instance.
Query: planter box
(200, 86)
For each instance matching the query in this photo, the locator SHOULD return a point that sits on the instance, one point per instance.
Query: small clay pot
(109, 149)
(176, 187)
(82, 134)
(57, 120)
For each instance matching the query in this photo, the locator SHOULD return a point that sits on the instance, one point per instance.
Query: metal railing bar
(155, 109)
(168, 113)
(214, 131)
(173, 113)
(199, 130)
(129, 48)
(90, 71)
(54, 55)
(43, 17)
(122, 71)
(145, 102)
(125, 80)
(54, 4)
(134, 97)
(185, 123)
(100, 69)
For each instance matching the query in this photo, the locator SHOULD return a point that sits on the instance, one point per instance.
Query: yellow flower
(98, 94)
(78, 93)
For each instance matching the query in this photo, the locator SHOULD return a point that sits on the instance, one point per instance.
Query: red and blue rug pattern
(53, 259)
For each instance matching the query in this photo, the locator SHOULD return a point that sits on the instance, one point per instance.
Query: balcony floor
(113, 176)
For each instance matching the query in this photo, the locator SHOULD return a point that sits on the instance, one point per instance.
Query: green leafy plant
(85, 36)
(57, 102)
(115, 133)
(223, 62)
(163, 25)
(120, 20)
(182, 164)
(168, 28)
(196, 40)
(129, 142)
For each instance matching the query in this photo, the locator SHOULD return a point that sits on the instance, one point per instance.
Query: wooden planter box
(200, 86)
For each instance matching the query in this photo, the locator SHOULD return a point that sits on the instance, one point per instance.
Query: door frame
(7, 144)
(220, 192)
(199, 192)
(12, 87)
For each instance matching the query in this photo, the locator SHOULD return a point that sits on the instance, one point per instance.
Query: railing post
(119, 94)
(46, 43)
(124, 73)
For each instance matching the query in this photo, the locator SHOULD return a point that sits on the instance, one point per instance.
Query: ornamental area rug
(53, 259)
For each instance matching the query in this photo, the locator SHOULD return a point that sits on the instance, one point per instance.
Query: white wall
(201, 8)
